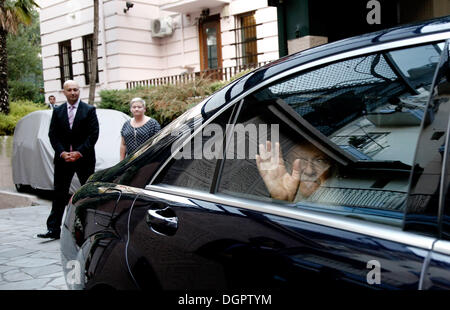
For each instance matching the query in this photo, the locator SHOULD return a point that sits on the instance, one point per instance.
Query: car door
(215, 223)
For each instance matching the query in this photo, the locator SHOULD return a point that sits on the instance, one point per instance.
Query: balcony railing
(223, 74)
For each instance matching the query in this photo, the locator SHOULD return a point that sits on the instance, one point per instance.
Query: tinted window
(347, 133)
(417, 63)
(425, 201)
(193, 166)
(356, 102)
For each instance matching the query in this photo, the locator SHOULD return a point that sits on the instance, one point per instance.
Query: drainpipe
(103, 39)
(282, 32)
(182, 40)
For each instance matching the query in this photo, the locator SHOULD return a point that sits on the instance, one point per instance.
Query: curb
(14, 200)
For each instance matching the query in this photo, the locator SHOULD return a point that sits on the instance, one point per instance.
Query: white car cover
(32, 159)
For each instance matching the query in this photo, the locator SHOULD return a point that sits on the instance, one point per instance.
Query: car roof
(408, 31)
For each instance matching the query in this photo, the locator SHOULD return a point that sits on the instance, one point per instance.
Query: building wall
(132, 53)
(65, 20)
(126, 36)
(415, 10)
(127, 50)
(182, 48)
(267, 29)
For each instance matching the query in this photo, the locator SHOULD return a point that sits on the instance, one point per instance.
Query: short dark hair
(51, 96)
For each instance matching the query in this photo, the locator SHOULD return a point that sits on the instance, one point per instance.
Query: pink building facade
(145, 39)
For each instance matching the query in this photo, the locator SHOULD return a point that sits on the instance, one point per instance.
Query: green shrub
(18, 109)
(164, 102)
(7, 124)
(19, 90)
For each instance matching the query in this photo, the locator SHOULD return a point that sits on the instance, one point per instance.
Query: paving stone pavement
(27, 262)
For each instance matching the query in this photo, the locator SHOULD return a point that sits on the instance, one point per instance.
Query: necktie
(71, 115)
(71, 118)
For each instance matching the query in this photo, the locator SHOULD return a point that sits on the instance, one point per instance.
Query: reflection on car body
(375, 113)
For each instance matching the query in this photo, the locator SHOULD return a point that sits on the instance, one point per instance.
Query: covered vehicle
(363, 123)
(32, 158)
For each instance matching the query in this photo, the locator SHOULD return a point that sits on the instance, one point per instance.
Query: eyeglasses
(317, 162)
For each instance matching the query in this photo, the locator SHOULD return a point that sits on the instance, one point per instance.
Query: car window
(427, 207)
(347, 134)
(417, 63)
(194, 163)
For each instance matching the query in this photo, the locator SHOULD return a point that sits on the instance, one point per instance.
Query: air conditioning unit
(162, 27)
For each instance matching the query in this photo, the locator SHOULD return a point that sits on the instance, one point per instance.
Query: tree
(12, 14)
(25, 78)
(93, 65)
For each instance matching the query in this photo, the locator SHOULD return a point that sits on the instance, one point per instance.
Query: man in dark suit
(73, 133)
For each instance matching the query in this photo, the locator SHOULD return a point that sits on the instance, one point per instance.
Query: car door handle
(162, 221)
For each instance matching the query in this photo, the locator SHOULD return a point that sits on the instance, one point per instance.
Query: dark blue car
(328, 168)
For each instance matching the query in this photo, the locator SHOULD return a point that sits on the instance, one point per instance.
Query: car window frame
(445, 178)
(443, 208)
(403, 43)
(322, 142)
(237, 102)
(425, 226)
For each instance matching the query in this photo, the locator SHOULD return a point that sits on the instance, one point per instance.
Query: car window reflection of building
(424, 202)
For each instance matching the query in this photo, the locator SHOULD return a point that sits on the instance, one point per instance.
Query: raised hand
(279, 182)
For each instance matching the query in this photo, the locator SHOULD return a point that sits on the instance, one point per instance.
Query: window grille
(88, 44)
(246, 39)
(65, 61)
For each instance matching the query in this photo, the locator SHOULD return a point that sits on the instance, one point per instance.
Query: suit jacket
(82, 136)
